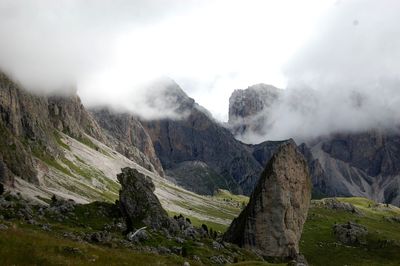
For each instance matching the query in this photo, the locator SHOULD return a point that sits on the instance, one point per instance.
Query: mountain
(344, 164)
(52, 145)
(198, 137)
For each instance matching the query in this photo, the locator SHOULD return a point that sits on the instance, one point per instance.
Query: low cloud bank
(345, 79)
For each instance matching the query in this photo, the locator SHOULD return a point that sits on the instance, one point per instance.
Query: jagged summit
(249, 108)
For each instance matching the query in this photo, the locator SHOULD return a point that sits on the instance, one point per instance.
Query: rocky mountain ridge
(343, 164)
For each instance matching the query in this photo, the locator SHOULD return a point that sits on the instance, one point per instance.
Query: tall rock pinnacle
(273, 220)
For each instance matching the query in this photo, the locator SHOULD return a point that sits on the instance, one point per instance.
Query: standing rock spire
(273, 220)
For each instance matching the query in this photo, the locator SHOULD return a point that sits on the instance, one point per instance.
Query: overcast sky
(332, 51)
(108, 49)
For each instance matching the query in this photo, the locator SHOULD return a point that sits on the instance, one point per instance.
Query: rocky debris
(351, 233)
(300, 260)
(138, 203)
(176, 250)
(98, 237)
(59, 205)
(335, 204)
(72, 236)
(221, 259)
(46, 227)
(217, 245)
(163, 250)
(273, 220)
(179, 240)
(186, 228)
(186, 263)
(138, 235)
(3, 227)
(73, 251)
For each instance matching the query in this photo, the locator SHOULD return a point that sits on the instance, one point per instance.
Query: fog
(338, 61)
(109, 51)
(344, 79)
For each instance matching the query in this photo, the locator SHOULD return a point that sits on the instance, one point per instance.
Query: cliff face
(273, 220)
(130, 138)
(197, 137)
(364, 164)
(30, 127)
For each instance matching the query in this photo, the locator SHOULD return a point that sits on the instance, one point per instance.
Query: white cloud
(108, 49)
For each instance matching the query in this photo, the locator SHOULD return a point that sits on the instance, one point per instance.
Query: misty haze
(225, 132)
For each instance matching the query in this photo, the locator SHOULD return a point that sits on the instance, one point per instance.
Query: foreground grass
(24, 246)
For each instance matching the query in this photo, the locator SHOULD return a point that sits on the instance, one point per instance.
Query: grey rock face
(128, 137)
(198, 177)
(138, 203)
(273, 220)
(249, 108)
(197, 137)
(350, 233)
(28, 123)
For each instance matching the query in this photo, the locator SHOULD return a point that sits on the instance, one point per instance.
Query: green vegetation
(85, 140)
(226, 195)
(41, 154)
(26, 246)
(320, 246)
(60, 141)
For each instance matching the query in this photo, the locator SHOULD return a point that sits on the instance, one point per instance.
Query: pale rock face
(273, 220)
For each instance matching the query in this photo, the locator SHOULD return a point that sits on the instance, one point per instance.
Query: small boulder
(350, 233)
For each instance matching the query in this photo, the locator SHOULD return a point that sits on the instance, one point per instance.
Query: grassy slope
(383, 248)
(320, 246)
(318, 243)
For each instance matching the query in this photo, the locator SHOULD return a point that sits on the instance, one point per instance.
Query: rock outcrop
(273, 220)
(138, 203)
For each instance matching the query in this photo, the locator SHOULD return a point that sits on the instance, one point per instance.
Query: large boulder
(138, 203)
(273, 220)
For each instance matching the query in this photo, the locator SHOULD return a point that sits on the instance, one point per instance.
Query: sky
(338, 61)
(109, 50)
